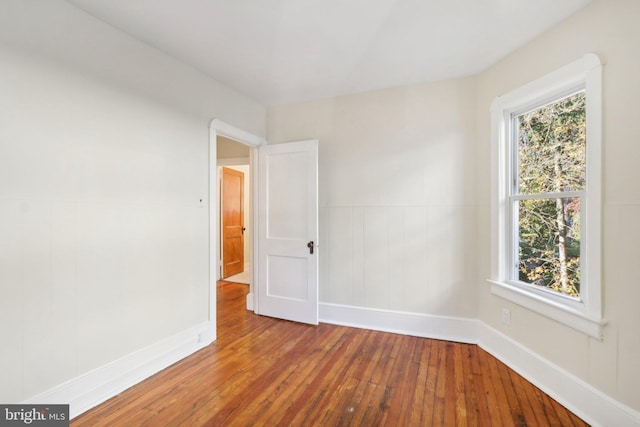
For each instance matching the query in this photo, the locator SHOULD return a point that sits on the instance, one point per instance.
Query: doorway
(237, 148)
(235, 211)
(283, 179)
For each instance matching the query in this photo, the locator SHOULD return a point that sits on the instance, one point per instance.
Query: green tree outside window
(551, 173)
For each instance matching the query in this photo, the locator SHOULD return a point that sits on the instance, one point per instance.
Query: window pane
(551, 147)
(549, 244)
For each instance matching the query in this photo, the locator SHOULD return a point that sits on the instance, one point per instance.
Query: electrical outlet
(506, 316)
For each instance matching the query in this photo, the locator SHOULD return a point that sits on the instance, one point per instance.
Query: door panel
(288, 221)
(282, 272)
(232, 222)
(288, 209)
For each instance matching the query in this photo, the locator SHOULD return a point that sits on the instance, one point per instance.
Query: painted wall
(229, 149)
(103, 160)
(397, 195)
(610, 29)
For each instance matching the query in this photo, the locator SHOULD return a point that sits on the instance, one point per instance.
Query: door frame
(218, 127)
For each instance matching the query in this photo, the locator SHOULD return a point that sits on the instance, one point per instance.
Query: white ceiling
(283, 51)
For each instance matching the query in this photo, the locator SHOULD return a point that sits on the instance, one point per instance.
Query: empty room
(296, 212)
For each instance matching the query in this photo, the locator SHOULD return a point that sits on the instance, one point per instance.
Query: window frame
(585, 313)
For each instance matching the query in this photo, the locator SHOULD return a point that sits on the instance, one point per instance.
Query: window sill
(559, 312)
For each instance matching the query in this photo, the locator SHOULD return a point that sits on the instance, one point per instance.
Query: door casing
(216, 128)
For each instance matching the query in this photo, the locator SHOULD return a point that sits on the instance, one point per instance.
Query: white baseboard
(584, 400)
(581, 398)
(250, 301)
(415, 324)
(88, 390)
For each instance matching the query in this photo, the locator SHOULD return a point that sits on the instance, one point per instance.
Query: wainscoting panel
(407, 258)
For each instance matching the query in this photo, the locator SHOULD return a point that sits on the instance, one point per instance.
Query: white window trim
(584, 315)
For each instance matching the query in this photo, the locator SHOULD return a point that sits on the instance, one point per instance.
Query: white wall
(610, 29)
(103, 160)
(397, 195)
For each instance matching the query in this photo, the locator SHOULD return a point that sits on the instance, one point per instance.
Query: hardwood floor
(268, 372)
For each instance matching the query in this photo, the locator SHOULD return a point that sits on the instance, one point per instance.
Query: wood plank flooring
(268, 372)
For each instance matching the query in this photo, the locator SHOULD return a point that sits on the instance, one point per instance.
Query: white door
(288, 231)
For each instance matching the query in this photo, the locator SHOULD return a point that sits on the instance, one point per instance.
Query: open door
(288, 231)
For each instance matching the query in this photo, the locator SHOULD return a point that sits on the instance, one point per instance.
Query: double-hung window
(546, 200)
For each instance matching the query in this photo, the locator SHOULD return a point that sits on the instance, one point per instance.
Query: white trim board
(249, 301)
(88, 390)
(593, 406)
(237, 134)
(415, 324)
